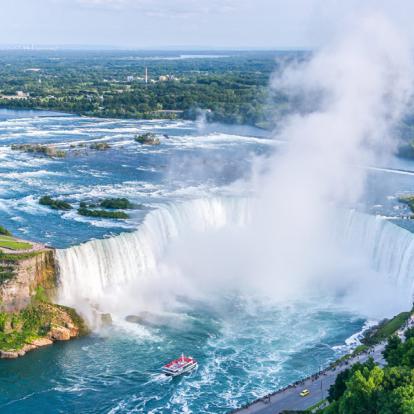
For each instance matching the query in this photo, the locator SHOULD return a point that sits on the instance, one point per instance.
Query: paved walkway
(318, 385)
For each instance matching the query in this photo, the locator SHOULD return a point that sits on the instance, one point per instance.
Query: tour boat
(179, 366)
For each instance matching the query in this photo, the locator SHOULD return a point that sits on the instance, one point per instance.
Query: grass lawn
(12, 244)
(386, 329)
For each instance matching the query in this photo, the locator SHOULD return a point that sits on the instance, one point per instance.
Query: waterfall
(388, 247)
(99, 269)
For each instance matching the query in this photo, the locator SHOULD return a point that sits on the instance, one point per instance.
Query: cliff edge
(29, 318)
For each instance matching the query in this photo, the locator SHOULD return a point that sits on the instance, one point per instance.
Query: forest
(230, 87)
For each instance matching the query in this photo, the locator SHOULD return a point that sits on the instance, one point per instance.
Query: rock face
(42, 323)
(60, 333)
(28, 318)
(30, 273)
(37, 343)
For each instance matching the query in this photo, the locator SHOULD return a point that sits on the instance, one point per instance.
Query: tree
(408, 350)
(393, 351)
(338, 388)
(409, 333)
(398, 401)
(362, 392)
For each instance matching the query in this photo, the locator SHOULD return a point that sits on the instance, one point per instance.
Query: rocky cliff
(28, 317)
(28, 273)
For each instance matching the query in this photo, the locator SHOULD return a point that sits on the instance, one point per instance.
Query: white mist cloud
(363, 82)
(280, 246)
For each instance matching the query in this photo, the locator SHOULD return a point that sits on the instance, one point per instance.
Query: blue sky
(187, 23)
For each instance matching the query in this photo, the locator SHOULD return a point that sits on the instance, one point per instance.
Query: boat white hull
(185, 370)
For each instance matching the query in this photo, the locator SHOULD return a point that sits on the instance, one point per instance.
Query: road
(289, 399)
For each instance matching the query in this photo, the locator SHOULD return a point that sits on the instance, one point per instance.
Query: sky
(211, 24)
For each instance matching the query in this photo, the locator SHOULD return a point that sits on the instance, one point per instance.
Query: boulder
(106, 319)
(59, 333)
(73, 330)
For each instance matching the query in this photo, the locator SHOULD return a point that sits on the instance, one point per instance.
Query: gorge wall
(29, 318)
(28, 273)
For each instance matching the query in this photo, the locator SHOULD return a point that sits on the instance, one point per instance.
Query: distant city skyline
(186, 24)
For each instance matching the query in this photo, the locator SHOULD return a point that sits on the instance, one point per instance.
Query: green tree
(338, 388)
(398, 401)
(393, 351)
(362, 392)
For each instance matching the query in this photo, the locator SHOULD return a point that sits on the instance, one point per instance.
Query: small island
(147, 139)
(83, 211)
(46, 150)
(54, 203)
(117, 203)
(99, 146)
(102, 209)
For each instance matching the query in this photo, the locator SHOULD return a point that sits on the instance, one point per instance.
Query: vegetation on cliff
(4, 231)
(39, 320)
(11, 253)
(385, 329)
(28, 318)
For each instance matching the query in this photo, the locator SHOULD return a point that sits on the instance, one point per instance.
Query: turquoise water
(245, 347)
(118, 371)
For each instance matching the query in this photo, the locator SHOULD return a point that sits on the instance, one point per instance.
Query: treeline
(234, 88)
(370, 389)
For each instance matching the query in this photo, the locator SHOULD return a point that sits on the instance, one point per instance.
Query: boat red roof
(177, 363)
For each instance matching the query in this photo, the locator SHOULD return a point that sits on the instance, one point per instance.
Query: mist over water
(280, 244)
(356, 90)
(262, 279)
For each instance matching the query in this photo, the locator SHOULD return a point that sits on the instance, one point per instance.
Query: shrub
(4, 231)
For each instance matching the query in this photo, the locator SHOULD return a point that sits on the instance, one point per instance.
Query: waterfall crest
(101, 268)
(93, 268)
